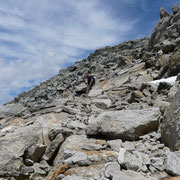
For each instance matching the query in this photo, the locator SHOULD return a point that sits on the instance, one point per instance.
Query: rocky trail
(127, 128)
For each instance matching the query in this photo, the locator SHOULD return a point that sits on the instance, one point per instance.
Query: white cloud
(39, 37)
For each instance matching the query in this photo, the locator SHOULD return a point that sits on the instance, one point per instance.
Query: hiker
(90, 82)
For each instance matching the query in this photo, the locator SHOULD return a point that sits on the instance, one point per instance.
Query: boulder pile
(127, 128)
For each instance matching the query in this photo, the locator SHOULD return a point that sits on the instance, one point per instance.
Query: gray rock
(60, 177)
(95, 92)
(152, 169)
(81, 88)
(167, 46)
(70, 110)
(172, 164)
(130, 161)
(129, 175)
(93, 146)
(170, 127)
(173, 91)
(115, 145)
(68, 153)
(13, 146)
(176, 17)
(11, 110)
(173, 31)
(112, 170)
(102, 103)
(79, 158)
(72, 149)
(44, 166)
(28, 162)
(128, 145)
(27, 170)
(175, 9)
(101, 178)
(76, 125)
(158, 163)
(136, 96)
(178, 77)
(163, 87)
(163, 13)
(38, 169)
(145, 158)
(159, 33)
(73, 177)
(125, 124)
(53, 148)
(35, 152)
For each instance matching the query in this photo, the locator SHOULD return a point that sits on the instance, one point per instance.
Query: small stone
(27, 170)
(160, 146)
(148, 145)
(154, 148)
(140, 147)
(157, 161)
(37, 169)
(94, 158)
(35, 152)
(79, 158)
(60, 177)
(157, 136)
(145, 137)
(55, 144)
(112, 169)
(128, 145)
(152, 169)
(144, 168)
(158, 153)
(152, 139)
(115, 145)
(146, 159)
(146, 93)
(28, 162)
(129, 160)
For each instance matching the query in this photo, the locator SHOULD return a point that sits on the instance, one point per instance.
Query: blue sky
(39, 37)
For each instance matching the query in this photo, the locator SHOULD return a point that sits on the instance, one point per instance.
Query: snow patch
(170, 80)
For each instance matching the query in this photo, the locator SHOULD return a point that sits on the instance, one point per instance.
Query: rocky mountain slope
(127, 128)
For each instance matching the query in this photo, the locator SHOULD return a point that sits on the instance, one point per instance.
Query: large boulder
(170, 126)
(129, 160)
(173, 163)
(11, 110)
(124, 124)
(13, 146)
(93, 151)
(82, 157)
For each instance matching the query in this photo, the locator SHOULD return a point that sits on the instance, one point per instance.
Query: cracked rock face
(127, 127)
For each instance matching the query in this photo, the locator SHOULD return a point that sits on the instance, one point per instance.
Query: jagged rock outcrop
(170, 126)
(123, 129)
